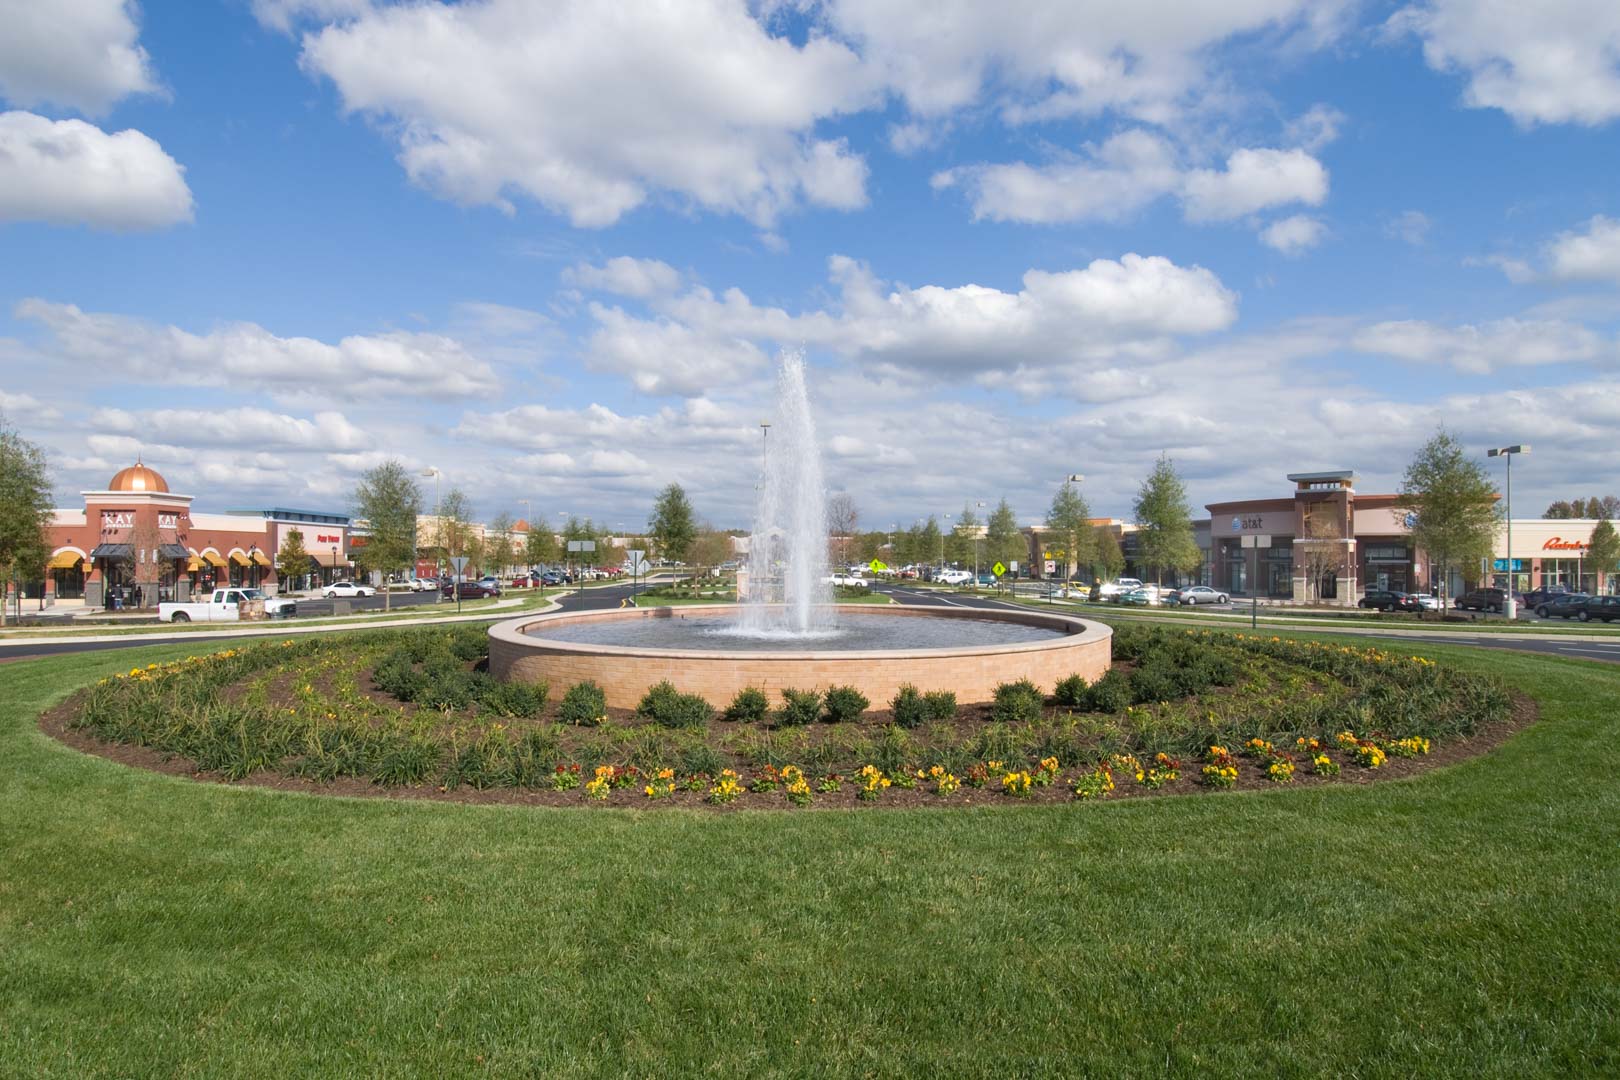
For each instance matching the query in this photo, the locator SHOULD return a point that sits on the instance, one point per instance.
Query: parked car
(424, 584)
(347, 589)
(470, 590)
(1147, 595)
(1563, 606)
(954, 577)
(1108, 590)
(1544, 594)
(847, 580)
(1485, 600)
(1196, 594)
(986, 579)
(1389, 600)
(1427, 602)
(1606, 608)
(551, 579)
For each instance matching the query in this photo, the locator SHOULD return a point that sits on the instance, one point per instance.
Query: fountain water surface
(788, 596)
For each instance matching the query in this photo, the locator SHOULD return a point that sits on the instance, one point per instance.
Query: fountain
(788, 595)
(789, 633)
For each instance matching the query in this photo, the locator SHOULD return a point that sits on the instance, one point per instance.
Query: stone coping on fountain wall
(972, 673)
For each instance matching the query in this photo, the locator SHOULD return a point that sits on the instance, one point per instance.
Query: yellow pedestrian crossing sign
(999, 569)
(875, 566)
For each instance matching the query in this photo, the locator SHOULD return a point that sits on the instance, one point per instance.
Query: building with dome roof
(136, 533)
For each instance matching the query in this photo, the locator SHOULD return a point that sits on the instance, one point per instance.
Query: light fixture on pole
(1509, 607)
(764, 445)
(438, 506)
(980, 505)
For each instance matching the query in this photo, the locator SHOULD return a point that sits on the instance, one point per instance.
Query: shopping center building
(138, 533)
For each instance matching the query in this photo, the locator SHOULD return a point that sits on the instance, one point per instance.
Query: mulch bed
(54, 723)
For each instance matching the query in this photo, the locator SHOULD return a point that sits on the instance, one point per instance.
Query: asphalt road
(612, 596)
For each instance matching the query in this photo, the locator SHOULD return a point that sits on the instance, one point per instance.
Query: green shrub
(584, 705)
(1155, 682)
(665, 705)
(1017, 703)
(908, 707)
(940, 705)
(799, 707)
(1071, 691)
(522, 699)
(844, 703)
(1109, 694)
(750, 706)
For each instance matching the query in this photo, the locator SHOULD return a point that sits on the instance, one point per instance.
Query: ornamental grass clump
(584, 705)
(750, 706)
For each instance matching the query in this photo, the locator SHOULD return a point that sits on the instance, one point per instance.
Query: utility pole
(1509, 607)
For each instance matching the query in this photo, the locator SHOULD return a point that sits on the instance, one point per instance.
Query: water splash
(787, 554)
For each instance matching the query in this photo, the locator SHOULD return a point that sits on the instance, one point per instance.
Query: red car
(470, 590)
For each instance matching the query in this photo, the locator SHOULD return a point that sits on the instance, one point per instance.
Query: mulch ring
(54, 722)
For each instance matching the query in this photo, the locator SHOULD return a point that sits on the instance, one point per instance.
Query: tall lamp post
(438, 506)
(1509, 607)
(980, 505)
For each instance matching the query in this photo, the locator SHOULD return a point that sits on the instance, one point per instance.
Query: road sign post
(460, 563)
(637, 559)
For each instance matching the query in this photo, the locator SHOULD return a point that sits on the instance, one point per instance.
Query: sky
(554, 250)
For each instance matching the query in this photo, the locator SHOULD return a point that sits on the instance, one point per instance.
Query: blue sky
(554, 249)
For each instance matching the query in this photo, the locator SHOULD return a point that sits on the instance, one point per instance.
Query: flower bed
(414, 709)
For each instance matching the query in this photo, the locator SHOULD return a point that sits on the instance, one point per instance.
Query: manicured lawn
(1461, 923)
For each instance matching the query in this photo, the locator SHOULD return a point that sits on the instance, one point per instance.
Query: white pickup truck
(225, 605)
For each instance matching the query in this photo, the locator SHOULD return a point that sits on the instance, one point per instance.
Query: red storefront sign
(1558, 543)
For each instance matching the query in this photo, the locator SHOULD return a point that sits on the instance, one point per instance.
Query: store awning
(239, 558)
(327, 559)
(113, 552)
(64, 560)
(173, 551)
(262, 559)
(212, 558)
(194, 564)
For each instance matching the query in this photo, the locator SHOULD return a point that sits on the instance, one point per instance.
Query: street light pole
(1509, 607)
(438, 507)
(764, 446)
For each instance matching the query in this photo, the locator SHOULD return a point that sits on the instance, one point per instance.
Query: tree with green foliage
(1068, 523)
(930, 541)
(540, 546)
(498, 543)
(390, 501)
(1453, 503)
(1598, 506)
(1107, 559)
(1165, 539)
(292, 561)
(25, 509)
(452, 524)
(960, 544)
(1603, 551)
(674, 526)
(1004, 542)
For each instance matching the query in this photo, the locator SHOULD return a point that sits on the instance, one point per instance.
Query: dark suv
(1482, 600)
(1389, 600)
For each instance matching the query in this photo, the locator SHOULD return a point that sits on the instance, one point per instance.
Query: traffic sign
(460, 563)
(582, 545)
(876, 567)
(998, 569)
(636, 561)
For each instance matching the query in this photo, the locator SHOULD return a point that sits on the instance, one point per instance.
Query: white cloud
(1115, 181)
(1111, 182)
(326, 432)
(68, 172)
(1293, 235)
(626, 276)
(1551, 61)
(1412, 226)
(244, 354)
(505, 97)
(283, 15)
(1592, 255)
(663, 357)
(1255, 179)
(1482, 349)
(1058, 59)
(73, 54)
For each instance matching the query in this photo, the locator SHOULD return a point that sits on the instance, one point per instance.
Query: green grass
(1458, 924)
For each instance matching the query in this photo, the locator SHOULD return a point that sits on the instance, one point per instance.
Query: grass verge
(1455, 924)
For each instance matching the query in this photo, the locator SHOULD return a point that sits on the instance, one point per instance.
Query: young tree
(710, 547)
(25, 507)
(1004, 541)
(452, 526)
(842, 520)
(28, 565)
(1108, 561)
(540, 546)
(673, 524)
(292, 561)
(1603, 551)
(1164, 519)
(1321, 553)
(930, 541)
(1069, 522)
(144, 539)
(498, 543)
(1454, 503)
(389, 499)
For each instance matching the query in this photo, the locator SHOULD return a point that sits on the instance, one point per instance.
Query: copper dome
(137, 477)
